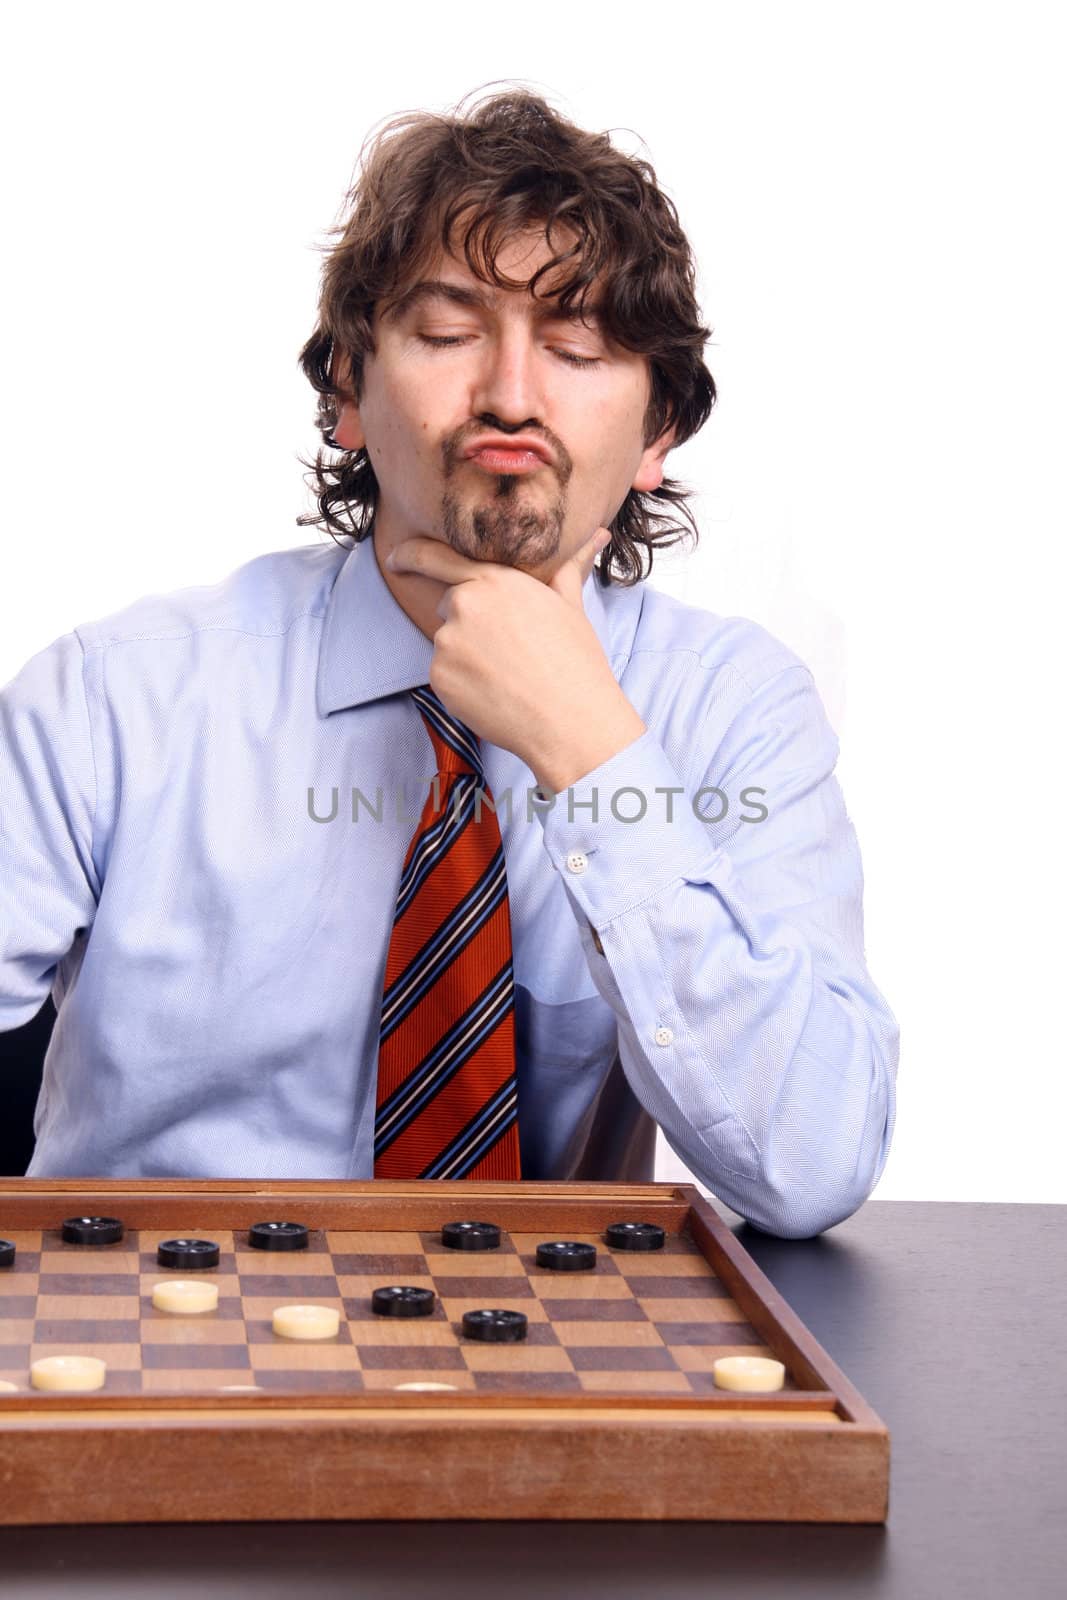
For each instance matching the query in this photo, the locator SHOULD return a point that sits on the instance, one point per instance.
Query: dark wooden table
(949, 1318)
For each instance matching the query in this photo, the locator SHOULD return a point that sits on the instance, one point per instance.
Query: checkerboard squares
(119, 1357)
(88, 1308)
(27, 1241)
(702, 1358)
(194, 1381)
(579, 1286)
(383, 1379)
(474, 1264)
(516, 1358)
(416, 1333)
(227, 1283)
(641, 1323)
(361, 1286)
(329, 1355)
(690, 1310)
(620, 1335)
(260, 1308)
(455, 1307)
(252, 1264)
(375, 1243)
(105, 1261)
(650, 1264)
(634, 1382)
(202, 1328)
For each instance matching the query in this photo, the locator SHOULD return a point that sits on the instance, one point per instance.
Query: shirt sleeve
(731, 951)
(49, 884)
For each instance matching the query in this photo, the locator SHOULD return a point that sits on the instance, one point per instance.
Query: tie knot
(455, 745)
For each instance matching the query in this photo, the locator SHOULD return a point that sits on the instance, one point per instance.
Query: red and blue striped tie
(447, 1102)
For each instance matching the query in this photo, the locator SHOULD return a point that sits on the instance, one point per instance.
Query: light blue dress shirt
(206, 802)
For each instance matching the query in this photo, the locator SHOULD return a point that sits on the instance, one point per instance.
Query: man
(630, 895)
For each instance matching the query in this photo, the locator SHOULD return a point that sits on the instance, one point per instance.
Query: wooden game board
(607, 1410)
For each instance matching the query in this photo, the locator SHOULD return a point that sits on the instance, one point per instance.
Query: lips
(507, 461)
(513, 450)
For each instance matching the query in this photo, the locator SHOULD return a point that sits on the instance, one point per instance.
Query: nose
(507, 382)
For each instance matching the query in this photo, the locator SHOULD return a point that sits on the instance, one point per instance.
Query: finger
(571, 578)
(600, 541)
(433, 558)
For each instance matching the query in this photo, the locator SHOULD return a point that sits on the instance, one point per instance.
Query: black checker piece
(92, 1230)
(471, 1236)
(495, 1327)
(278, 1236)
(566, 1255)
(403, 1300)
(635, 1236)
(190, 1255)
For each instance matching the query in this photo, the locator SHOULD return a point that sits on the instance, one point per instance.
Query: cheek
(407, 424)
(611, 441)
(616, 413)
(389, 434)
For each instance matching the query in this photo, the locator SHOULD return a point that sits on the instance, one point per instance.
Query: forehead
(446, 279)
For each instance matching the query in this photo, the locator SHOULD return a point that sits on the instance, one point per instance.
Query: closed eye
(452, 339)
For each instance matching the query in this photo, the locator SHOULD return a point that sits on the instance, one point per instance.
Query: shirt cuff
(625, 831)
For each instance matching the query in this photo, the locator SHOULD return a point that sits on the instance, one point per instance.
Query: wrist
(572, 758)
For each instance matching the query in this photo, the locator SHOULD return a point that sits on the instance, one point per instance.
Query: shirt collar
(370, 646)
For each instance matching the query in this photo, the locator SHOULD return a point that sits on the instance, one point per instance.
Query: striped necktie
(447, 1101)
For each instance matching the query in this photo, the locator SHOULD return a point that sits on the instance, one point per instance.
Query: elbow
(802, 1220)
(822, 1182)
(825, 1144)
(791, 1204)
(787, 1210)
(801, 1204)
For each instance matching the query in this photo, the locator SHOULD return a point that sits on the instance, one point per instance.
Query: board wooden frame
(815, 1454)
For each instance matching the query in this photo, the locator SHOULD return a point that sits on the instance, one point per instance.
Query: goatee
(504, 529)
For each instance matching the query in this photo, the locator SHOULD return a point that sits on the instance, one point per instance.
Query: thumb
(569, 580)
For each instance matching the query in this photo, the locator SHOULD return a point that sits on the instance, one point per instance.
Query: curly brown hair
(513, 162)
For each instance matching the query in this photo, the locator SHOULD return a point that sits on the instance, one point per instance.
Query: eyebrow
(458, 294)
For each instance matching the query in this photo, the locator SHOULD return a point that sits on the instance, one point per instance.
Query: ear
(649, 474)
(349, 430)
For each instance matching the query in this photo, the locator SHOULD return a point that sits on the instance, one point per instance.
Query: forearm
(753, 1035)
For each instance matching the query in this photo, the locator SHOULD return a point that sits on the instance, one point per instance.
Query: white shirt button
(577, 862)
(663, 1036)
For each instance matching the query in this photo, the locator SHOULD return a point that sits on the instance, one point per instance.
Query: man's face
(452, 369)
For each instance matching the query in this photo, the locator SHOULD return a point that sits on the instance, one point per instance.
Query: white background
(874, 196)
